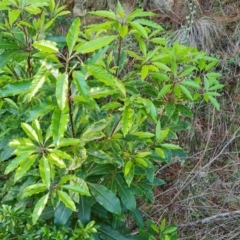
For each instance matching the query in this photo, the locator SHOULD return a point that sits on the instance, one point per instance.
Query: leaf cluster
(87, 120)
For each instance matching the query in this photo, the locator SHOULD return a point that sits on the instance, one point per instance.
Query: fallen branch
(216, 217)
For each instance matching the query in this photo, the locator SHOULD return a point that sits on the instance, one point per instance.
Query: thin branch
(207, 220)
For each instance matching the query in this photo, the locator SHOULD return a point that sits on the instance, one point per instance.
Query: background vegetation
(201, 191)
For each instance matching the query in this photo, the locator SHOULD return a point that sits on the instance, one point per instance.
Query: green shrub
(89, 117)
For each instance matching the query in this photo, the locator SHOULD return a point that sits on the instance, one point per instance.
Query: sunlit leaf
(72, 34)
(39, 208)
(66, 199)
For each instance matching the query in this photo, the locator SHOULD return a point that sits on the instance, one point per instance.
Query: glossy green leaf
(39, 207)
(169, 230)
(56, 161)
(67, 200)
(69, 142)
(105, 197)
(170, 109)
(16, 143)
(95, 127)
(17, 161)
(62, 90)
(166, 88)
(94, 44)
(7, 45)
(59, 124)
(13, 16)
(62, 214)
(84, 210)
(99, 156)
(162, 66)
(101, 169)
(36, 126)
(100, 92)
(136, 215)
(44, 169)
(37, 82)
(141, 162)
(191, 83)
(130, 175)
(149, 23)
(186, 72)
(81, 84)
(109, 233)
(185, 110)
(79, 186)
(144, 134)
(40, 110)
(12, 89)
(46, 46)
(186, 92)
(214, 102)
(24, 167)
(33, 189)
(60, 154)
(127, 119)
(144, 71)
(126, 195)
(139, 28)
(170, 146)
(30, 132)
(139, 13)
(11, 103)
(105, 77)
(160, 152)
(32, 9)
(72, 35)
(111, 106)
(7, 56)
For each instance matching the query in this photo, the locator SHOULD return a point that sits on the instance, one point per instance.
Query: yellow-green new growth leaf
(62, 90)
(67, 200)
(72, 35)
(170, 146)
(33, 189)
(37, 82)
(144, 71)
(81, 84)
(186, 92)
(39, 208)
(30, 132)
(214, 102)
(139, 28)
(24, 167)
(17, 161)
(94, 44)
(164, 90)
(160, 152)
(59, 125)
(44, 169)
(56, 161)
(128, 167)
(13, 16)
(127, 119)
(141, 161)
(46, 46)
(16, 143)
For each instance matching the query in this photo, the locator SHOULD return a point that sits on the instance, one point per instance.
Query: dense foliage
(87, 118)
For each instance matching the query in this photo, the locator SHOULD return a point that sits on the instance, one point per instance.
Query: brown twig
(207, 220)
